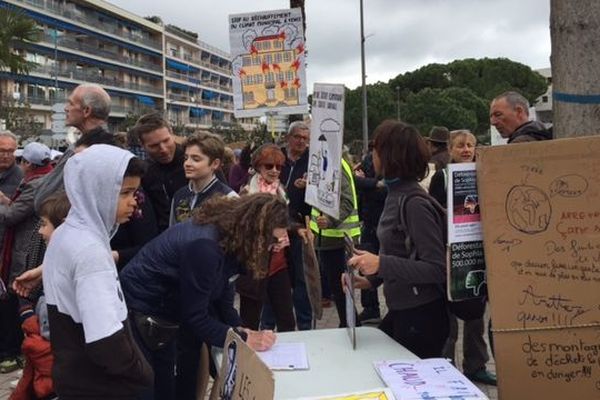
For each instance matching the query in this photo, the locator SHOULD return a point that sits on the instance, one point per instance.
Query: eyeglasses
(271, 166)
(300, 137)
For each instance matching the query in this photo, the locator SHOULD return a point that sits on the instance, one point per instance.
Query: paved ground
(329, 320)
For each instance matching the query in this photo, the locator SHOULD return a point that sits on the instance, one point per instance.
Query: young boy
(203, 155)
(95, 355)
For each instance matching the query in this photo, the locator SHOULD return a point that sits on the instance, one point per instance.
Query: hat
(36, 153)
(439, 134)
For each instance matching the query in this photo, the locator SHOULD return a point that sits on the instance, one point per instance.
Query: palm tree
(16, 30)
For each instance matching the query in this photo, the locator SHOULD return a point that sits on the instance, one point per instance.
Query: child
(203, 155)
(36, 348)
(95, 355)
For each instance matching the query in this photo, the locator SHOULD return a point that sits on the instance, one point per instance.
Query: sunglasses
(271, 166)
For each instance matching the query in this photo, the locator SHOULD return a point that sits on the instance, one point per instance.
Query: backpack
(465, 309)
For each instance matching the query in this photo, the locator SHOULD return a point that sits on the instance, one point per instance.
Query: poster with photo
(466, 264)
(268, 63)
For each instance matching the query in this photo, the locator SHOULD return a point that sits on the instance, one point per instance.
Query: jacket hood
(93, 180)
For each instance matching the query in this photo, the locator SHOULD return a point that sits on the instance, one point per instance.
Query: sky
(401, 35)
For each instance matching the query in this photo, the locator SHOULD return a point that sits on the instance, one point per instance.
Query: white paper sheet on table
(433, 378)
(285, 356)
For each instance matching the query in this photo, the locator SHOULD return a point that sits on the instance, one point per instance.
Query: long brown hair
(245, 226)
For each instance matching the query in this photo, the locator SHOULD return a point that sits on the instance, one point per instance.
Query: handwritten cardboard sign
(540, 205)
(243, 376)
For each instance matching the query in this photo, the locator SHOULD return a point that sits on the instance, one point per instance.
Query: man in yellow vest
(330, 245)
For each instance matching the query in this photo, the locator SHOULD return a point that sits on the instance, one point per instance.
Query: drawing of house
(269, 73)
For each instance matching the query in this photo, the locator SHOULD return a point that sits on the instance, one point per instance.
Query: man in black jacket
(509, 113)
(165, 173)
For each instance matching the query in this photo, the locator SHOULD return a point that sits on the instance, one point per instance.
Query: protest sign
(433, 378)
(243, 375)
(325, 153)
(375, 394)
(466, 265)
(267, 58)
(540, 205)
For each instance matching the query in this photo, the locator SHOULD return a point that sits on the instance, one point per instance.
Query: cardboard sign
(540, 205)
(466, 264)
(267, 53)
(243, 376)
(325, 152)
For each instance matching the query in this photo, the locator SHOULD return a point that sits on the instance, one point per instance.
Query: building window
(270, 77)
(280, 76)
(258, 79)
(278, 44)
(290, 75)
(268, 59)
(278, 58)
(270, 94)
(255, 60)
(248, 97)
(246, 61)
(544, 99)
(287, 56)
(266, 45)
(290, 93)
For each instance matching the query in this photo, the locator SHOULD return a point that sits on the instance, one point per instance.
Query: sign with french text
(268, 62)
(466, 262)
(324, 177)
(540, 208)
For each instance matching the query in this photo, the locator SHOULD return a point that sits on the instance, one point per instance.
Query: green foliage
(16, 30)
(455, 95)
(20, 119)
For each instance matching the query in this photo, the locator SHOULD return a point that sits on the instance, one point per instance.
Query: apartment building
(143, 65)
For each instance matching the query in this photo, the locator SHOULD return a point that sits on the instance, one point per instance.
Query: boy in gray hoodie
(95, 354)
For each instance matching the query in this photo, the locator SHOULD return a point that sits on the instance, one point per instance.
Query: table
(334, 367)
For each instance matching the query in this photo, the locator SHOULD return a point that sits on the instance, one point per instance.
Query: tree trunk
(575, 34)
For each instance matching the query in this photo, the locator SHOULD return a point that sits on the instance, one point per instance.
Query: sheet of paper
(285, 356)
(433, 378)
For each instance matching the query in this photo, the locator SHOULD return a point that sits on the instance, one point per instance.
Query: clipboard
(348, 277)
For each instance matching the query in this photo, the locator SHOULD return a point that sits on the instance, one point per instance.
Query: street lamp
(364, 84)
(398, 102)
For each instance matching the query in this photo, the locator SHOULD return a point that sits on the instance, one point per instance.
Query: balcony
(80, 75)
(199, 102)
(196, 82)
(73, 14)
(73, 44)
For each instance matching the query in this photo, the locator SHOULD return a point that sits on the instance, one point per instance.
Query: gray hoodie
(95, 354)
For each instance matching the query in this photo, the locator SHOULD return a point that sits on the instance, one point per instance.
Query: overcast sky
(402, 35)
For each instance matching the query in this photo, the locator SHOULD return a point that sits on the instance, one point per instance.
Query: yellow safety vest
(351, 225)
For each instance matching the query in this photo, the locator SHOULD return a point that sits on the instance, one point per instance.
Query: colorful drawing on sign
(268, 62)
(374, 394)
(229, 385)
(327, 190)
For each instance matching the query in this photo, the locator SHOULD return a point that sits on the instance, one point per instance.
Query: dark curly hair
(245, 225)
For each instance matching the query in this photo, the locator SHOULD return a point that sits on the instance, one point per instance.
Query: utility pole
(365, 124)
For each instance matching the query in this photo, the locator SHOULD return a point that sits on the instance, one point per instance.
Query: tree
(20, 120)
(16, 31)
(575, 35)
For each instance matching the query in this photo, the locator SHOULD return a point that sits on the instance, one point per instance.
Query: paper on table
(434, 378)
(373, 394)
(285, 356)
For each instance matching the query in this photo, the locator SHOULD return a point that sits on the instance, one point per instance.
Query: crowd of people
(119, 266)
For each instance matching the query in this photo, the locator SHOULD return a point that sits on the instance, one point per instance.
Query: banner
(267, 58)
(466, 265)
(540, 207)
(325, 153)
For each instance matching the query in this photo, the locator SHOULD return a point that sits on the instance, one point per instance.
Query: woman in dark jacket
(413, 276)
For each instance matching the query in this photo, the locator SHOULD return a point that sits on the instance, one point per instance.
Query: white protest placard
(466, 261)
(325, 154)
(267, 58)
(433, 378)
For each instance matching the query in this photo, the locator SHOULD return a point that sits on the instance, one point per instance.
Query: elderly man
(509, 113)
(165, 173)
(87, 110)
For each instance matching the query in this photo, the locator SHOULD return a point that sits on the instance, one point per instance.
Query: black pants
(422, 330)
(11, 335)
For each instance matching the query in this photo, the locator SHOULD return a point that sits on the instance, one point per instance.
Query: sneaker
(369, 315)
(9, 365)
(483, 376)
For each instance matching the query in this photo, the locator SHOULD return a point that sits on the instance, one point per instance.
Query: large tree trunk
(575, 34)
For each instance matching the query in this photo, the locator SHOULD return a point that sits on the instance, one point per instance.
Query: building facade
(143, 65)
(543, 104)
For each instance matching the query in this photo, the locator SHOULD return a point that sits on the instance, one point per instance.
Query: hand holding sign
(366, 263)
